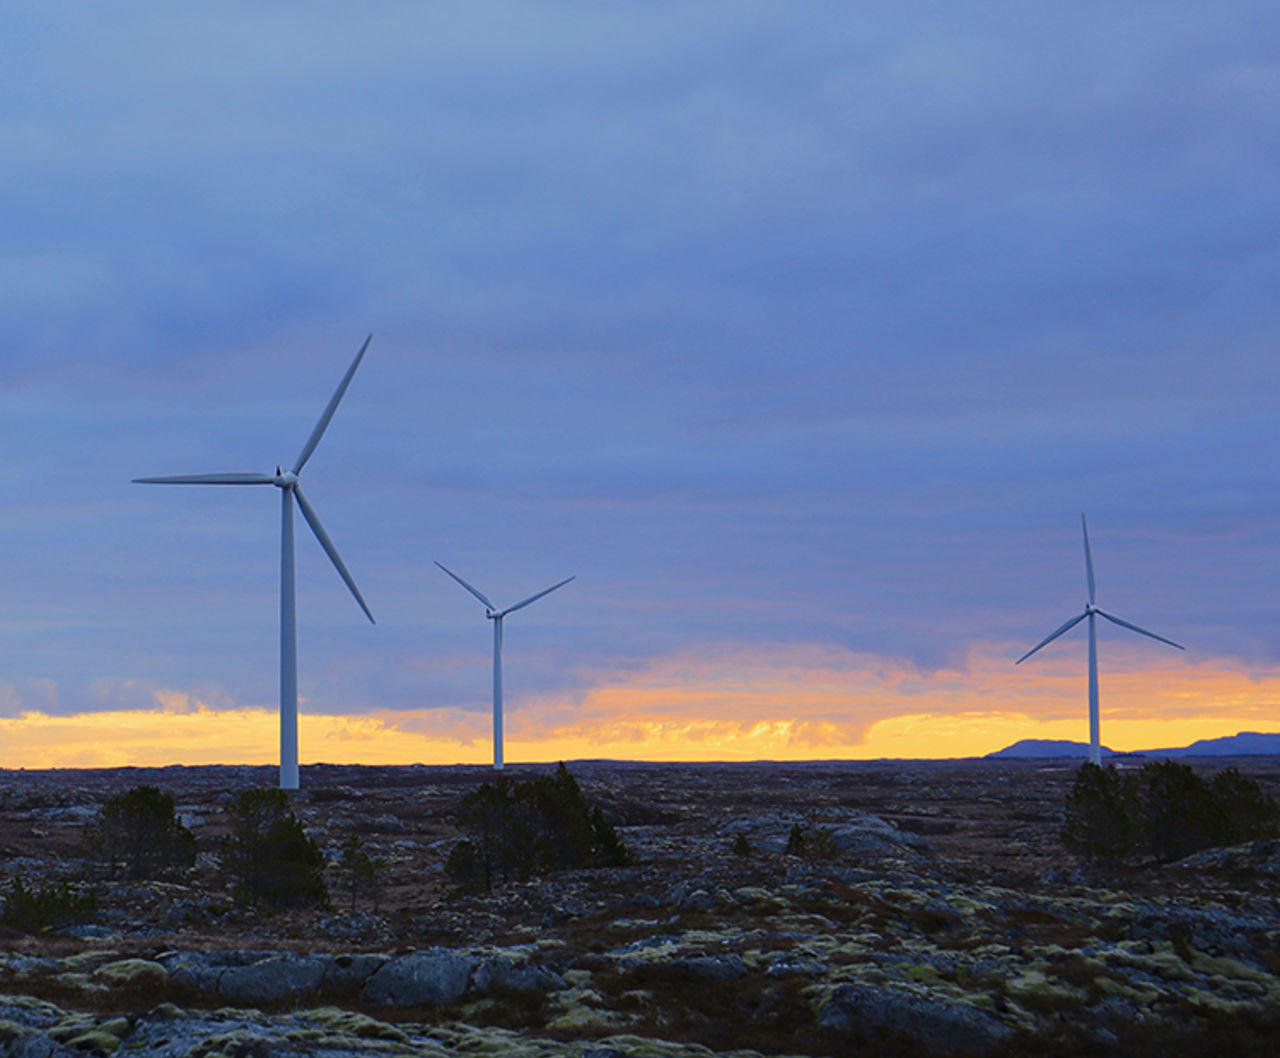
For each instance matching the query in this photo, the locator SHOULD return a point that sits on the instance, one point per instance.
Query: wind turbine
(1092, 612)
(287, 482)
(495, 615)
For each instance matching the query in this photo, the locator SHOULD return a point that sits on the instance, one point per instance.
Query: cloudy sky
(800, 334)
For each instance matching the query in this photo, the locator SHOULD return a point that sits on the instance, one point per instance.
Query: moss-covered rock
(11, 1031)
(131, 973)
(352, 1023)
(1035, 986)
(1111, 986)
(94, 1042)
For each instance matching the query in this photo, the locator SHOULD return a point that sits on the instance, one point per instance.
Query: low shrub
(811, 843)
(534, 827)
(33, 910)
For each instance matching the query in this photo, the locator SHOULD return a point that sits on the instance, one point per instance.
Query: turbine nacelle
(285, 479)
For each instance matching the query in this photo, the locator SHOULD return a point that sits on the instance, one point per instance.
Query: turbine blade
(1088, 562)
(208, 479)
(474, 591)
(535, 598)
(1049, 639)
(1134, 628)
(313, 520)
(323, 424)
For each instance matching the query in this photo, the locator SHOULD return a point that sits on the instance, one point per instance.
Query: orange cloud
(207, 736)
(805, 702)
(782, 702)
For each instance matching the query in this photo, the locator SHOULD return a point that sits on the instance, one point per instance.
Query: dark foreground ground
(943, 918)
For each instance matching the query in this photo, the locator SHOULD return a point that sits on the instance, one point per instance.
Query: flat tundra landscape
(863, 908)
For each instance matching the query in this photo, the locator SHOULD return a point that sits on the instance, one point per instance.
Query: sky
(801, 335)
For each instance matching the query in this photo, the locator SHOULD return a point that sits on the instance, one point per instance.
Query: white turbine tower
(1092, 612)
(495, 615)
(287, 482)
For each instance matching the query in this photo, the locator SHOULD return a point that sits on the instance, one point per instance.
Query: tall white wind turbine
(1092, 612)
(287, 482)
(495, 615)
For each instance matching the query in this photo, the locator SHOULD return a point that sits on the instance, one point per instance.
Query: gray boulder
(854, 835)
(516, 973)
(796, 963)
(351, 971)
(35, 1044)
(435, 976)
(280, 977)
(710, 968)
(866, 1010)
(202, 970)
(869, 835)
(346, 926)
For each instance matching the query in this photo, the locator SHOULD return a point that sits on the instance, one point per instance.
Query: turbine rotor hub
(285, 479)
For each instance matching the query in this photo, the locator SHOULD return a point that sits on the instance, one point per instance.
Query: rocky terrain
(932, 913)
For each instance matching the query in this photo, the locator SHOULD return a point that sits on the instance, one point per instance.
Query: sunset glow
(781, 703)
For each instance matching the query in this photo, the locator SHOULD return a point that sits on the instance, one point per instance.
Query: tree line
(1164, 810)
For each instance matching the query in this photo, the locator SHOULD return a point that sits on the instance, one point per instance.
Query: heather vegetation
(520, 829)
(1165, 811)
(33, 909)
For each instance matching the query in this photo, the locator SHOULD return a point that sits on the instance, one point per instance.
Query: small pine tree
(607, 848)
(138, 834)
(1245, 811)
(1101, 814)
(1179, 814)
(269, 855)
(741, 846)
(811, 843)
(361, 873)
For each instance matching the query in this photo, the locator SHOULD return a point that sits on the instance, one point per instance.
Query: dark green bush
(534, 827)
(1179, 813)
(811, 843)
(1247, 813)
(33, 910)
(138, 835)
(1166, 810)
(268, 854)
(1102, 813)
(741, 846)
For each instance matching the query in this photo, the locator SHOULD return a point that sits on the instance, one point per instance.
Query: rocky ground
(940, 916)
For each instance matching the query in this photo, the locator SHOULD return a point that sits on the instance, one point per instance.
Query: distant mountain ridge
(1243, 744)
(1046, 747)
